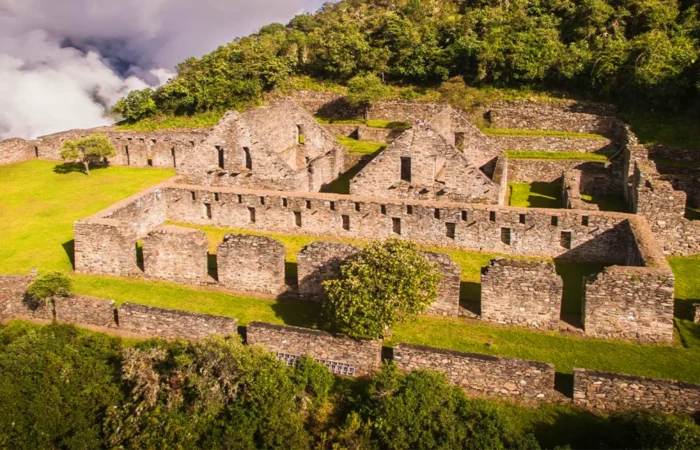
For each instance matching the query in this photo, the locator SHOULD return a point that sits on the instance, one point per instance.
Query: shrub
(388, 282)
(651, 430)
(52, 284)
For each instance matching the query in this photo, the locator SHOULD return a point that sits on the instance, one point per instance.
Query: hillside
(624, 51)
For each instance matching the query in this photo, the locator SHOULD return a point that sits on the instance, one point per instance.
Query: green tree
(88, 150)
(386, 283)
(136, 105)
(48, 286)
(363, 90)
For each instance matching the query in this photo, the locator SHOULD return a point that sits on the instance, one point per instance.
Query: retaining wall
(481, 375)
(553, 144)
(611, 391)
(173, 324)
(251, 263)
(17, 150)
(354, 357)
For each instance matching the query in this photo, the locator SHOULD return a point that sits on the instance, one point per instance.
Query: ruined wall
(611, 391)
(342, 355)
(251, 263)
(598, 238)
(437, 171)
(557, 116)
(12, 291)
(527, 293)
(571, 192)
(17, 150)
(318, 262)
(500, 177)
(176, 254)
(173, 324)
(397, 111)
(632, 302)
(79, 309)
(554, 144)
(447, 303)
(105, 246)
(481, 375)
(385, 135)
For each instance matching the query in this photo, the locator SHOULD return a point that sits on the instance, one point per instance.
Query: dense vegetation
(61, 387)
(636, 50)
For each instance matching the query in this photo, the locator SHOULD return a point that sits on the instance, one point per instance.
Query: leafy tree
(422, 411)
(56, 385)
(650, 430)
(363, 90)
(136, 105)
(89, 150)
(48, 286)
(388, 282)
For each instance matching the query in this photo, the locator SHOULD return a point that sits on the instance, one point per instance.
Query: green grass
(606, 202)
(334, 121)
(569, 156)
(361, 147)
(519, 132)
(680, 130)
(535, 195)
(39, 205)
(202, 120)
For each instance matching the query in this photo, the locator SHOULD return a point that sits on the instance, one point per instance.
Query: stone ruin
(440, 184)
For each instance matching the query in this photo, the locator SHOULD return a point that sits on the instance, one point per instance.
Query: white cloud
(63, 62)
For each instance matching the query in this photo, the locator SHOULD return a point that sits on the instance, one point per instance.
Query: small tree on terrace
(387, 283)
(363, 90)
(45, 288)
(89, 150)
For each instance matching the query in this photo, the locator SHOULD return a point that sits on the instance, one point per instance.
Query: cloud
(62, 63)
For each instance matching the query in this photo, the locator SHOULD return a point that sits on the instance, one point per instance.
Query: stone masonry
(318, 262)
(696, 309)
(79, 309)
(176, 254)
(611, 391)
(173, 324)
(447, 303)
(364, 356)
(481, 375)
(527, 293)
(251, 263)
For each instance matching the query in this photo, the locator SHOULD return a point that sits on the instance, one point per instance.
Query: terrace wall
(173, 324)
(17, 150)
(251, 263)
(364, 356)
(611, 391)
(599, 238)
(79, 309)
(526, 293)
(176, 254)
(553, 144)
(481, 375)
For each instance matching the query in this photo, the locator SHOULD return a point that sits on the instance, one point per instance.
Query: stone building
(278, 146)
(423, 164)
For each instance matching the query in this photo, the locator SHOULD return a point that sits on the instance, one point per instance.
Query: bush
(388, 282)
(53, 284)
(649, 430)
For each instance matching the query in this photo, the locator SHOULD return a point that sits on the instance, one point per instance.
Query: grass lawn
(519, 132)
(535, 195)
(606, 202)
(569, 156)
(361, 147)
(39, 206)
(202, 120)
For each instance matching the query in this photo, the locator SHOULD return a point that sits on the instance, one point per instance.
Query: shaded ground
(535, 195)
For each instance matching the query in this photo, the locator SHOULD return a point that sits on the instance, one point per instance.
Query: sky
(63, 63)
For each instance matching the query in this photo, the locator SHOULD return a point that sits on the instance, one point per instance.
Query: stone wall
(556, 116)
(251, 263)
(610, 392)
(105, 246)
(12, 293)
(17, 150)
(599, 238)
(342, 355)
(632, 302)
(176, 254)
(79, 309)
(318, 262)
(481, 375)
(447, 303)
(696, 308)
(385, 135)
(553, 144)
(571, 192)
(173, 324)
(397, 111)
(549, 170)
(527, 293)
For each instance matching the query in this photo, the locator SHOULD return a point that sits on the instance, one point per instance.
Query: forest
(62, 387)
(622, 51)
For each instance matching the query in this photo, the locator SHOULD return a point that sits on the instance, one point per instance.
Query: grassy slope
(204, 120)
(535, 195)
(38, 207)
(36, 222)
(568, 156)
(361, 147)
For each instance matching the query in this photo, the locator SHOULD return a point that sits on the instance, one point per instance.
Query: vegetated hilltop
(619, 50)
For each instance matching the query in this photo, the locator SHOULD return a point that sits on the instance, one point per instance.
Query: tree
(388, 282)
(89, 150)
(136, 105)
(365, 89)
(49, 286)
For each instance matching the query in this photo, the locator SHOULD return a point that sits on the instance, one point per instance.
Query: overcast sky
(63, 61)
